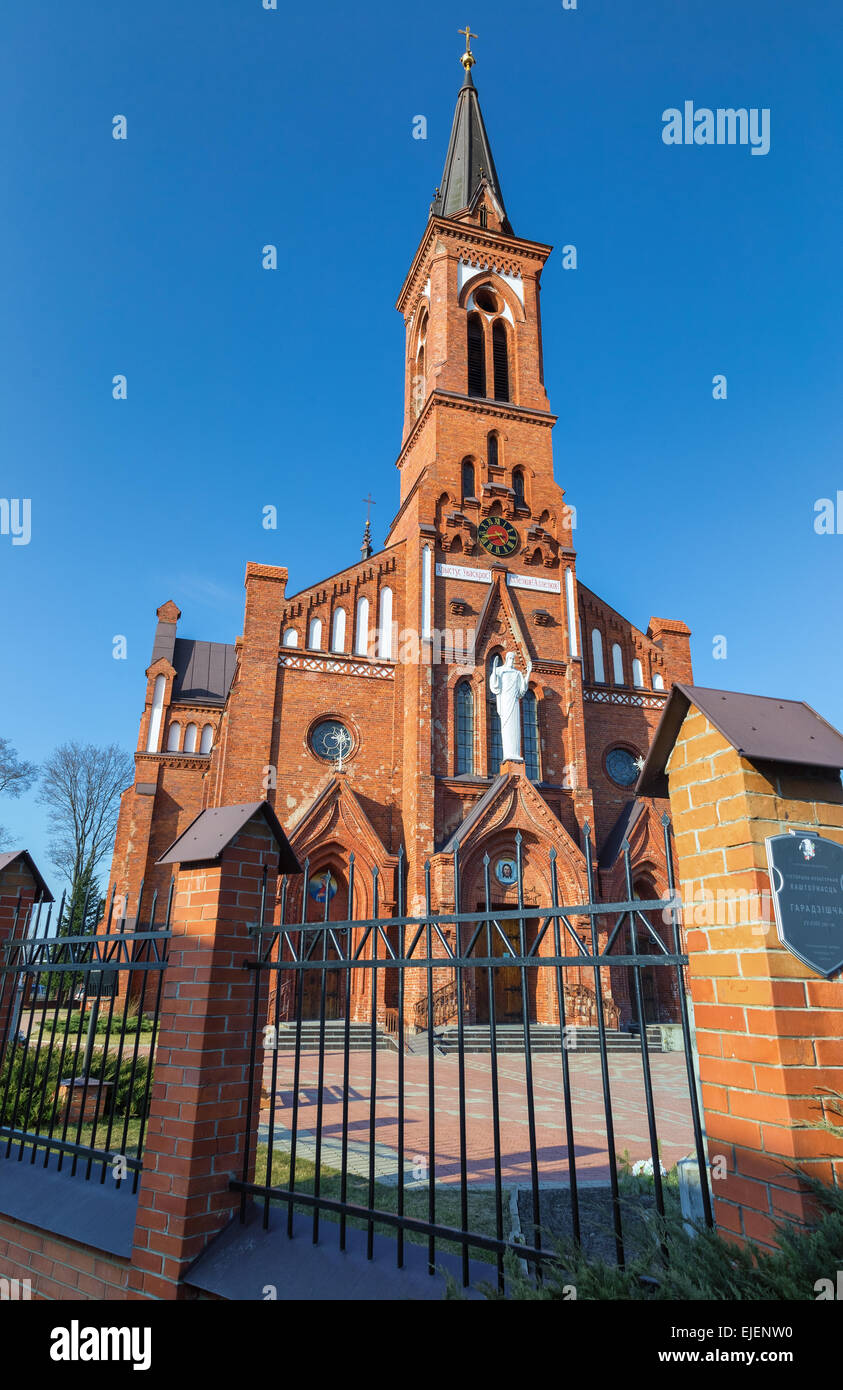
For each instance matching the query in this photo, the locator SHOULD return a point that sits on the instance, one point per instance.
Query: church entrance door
(506, 977)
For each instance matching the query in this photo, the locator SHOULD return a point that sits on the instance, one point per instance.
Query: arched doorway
(659, 993)
(327, 900)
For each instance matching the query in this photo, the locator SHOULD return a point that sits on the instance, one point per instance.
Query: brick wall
(58, 1268)
(769, 1030)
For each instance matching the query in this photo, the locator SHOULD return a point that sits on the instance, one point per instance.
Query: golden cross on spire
(370, 501)
(467, 58)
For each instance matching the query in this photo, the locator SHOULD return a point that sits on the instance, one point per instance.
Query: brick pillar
(769, 1030)
(196, 1133)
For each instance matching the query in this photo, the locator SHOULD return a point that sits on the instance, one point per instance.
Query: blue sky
(248, 387)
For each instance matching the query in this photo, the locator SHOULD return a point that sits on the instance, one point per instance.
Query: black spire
(469, 160)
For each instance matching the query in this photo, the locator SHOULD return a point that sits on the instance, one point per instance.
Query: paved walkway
(628, 1107)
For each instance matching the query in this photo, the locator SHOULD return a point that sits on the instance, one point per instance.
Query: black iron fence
(78, 1027)
(480, 1084)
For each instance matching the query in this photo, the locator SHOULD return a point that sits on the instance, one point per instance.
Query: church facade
(361, 707)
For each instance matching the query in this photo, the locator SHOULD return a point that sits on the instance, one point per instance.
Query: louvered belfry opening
(500, 357)
(476, 357)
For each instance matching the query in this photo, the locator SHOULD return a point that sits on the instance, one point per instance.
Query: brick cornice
(504, 247)
(501, 410)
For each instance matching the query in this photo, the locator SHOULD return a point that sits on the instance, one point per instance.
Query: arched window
(338, 632)
(597, 655)
(467, 478)
(637, 672)
(190, 738)
(658, 681)
(493, 723)
(385, 625)
(361, 633)
(206, 742)
(290, 638)
(156, 714)
(530, 739)
(518, 486)
(314, 634)
(465, 728)
(174, 738)
(617, 664)
(500, 358)
(492, 450)
(476, 356)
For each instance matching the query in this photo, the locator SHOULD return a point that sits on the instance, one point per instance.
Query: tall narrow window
(206, 742)
(361, 635)
(476, 357)
(190, 738)
(426, 594)
(658, 681)
(573, 624)
(637, 672)
(492, 451)
(314, 634)
(156, 714)
(467, 478)
(617, 663)
(500, 357)
(385, 625)
(597, 655)
(290, 638)
(174, 738)
(530, 719)
(338, 631)
(465, 728)
(518, 486)
(493, 724)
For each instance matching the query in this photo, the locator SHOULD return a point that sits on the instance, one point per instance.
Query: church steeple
(469, 163)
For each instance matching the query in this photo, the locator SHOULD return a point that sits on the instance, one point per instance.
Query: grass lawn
(481, 1204)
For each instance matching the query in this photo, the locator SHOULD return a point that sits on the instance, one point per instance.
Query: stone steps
(543, 1038)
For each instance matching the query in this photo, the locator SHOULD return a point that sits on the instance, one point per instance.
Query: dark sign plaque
(806, 876)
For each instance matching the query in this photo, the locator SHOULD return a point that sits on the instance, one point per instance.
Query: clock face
(497, 536)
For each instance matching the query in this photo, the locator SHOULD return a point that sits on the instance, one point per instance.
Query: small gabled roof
(759, 727)
(474, 814)
(620, 831)
(9, 858)
(214, 828)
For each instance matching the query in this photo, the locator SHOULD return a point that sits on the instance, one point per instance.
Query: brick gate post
(197, 1125)
(769, 1030)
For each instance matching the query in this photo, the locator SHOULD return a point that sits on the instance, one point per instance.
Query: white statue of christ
(509, 688)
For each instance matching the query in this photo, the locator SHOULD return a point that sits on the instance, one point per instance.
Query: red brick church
(360, 707)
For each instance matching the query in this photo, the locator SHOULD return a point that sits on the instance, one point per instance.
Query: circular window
(331, 740)
(485, 300)
(622, 767)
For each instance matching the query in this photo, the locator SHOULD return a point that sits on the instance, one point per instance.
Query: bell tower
(477, 421)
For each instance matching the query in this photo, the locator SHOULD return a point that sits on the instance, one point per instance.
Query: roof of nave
(204, 670)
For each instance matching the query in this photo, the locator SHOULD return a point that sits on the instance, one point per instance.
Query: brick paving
(628, 1106)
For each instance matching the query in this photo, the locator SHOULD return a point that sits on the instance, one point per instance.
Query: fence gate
(471, 1090)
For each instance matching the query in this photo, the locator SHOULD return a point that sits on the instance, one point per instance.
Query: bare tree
(81, 785)
(16, 776)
